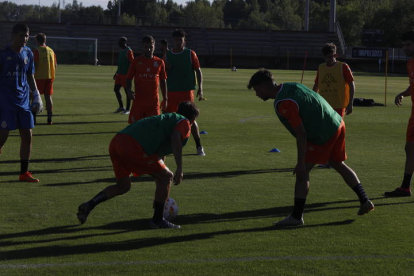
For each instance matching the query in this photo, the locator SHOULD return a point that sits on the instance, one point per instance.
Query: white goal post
(71, 50)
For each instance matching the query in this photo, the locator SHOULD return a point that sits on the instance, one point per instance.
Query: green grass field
(228, 199)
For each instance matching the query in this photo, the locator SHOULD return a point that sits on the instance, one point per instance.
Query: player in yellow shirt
(45, 64)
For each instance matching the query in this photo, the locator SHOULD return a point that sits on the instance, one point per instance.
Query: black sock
(24, 166)
(359, 190)
(99, 198)
(158, 211)
(298, 208)
(128, 102)
(49, 116)
(198, 143)
(119, 98)
(406, 181)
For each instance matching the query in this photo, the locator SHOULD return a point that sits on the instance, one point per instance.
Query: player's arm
(130, 93)
(316, 86)
(399, 97)
(199, 75)
(301, 140)
(350, 106)
(163, 86)
(177, 148)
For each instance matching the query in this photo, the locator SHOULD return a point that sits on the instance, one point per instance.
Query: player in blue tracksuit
(17, 80)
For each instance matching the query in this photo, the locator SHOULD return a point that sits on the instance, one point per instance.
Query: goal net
(71, 50)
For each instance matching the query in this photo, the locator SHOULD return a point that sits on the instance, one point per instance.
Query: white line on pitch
(245, 259)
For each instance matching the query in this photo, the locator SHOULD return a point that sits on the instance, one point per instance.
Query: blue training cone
(203, 132)
(274, 150)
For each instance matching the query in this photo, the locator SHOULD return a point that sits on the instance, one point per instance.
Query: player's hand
(349, 109)
(37, 104)
(200, 94)
(398, 100)
(131, 94)
(178, 177)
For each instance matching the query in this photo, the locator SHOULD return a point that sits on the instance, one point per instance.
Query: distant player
(139, 149)
(182, 68)
(17, 79)
(148, 73)
(405, 188)
(125, 57)
(319, 133)
(335, 82)
(164, 47)
(45, 63)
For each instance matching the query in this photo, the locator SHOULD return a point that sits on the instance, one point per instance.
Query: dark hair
(328, 48)
(20, 27)
(41, 38)
(178, 33)
(123, 38)
(259, 77)
(188, 110)
(408, 36)
(147, 39)
(164, 42)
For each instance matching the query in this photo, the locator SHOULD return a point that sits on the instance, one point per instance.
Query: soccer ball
(170, 209)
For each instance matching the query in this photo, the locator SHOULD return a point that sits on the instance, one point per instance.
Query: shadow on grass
(121, 227)
(61, 160)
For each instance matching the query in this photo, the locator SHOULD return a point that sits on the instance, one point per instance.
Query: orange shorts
(140, 112)
(128, 157)
(45, 86)
(410, 130)
(333, 150)
(120, 80)
(174, 98)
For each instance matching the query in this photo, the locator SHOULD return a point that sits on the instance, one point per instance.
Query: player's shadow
(60, 160)
(68, 232)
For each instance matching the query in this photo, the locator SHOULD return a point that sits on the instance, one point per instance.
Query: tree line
(393, 17)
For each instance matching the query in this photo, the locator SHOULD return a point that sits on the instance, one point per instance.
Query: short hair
(123, 38)
(147, 39)
(408, 36)
(164, 42)
(328, 48)
(20, 27)
(188, 110)
(41, 38)
(178, 33)
(260, 77)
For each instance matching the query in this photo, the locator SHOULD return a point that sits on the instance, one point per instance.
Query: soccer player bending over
(139, 149)
(320, 137)
(16, 81)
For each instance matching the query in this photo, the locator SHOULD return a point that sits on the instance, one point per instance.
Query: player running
(319, 138)
(139, 149)
(148, 72)
(17, 79)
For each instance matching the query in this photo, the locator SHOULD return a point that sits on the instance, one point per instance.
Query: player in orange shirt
(148, 73)
(336, 84)
(45, 63)
(405, 188)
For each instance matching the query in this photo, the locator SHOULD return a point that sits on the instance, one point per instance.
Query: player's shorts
(16, 119)
(174, 98)
(333, 150)
(128, 157)
(45, 86)
(340, 111)
(138, 112)
(410, 130)
(121, 80)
